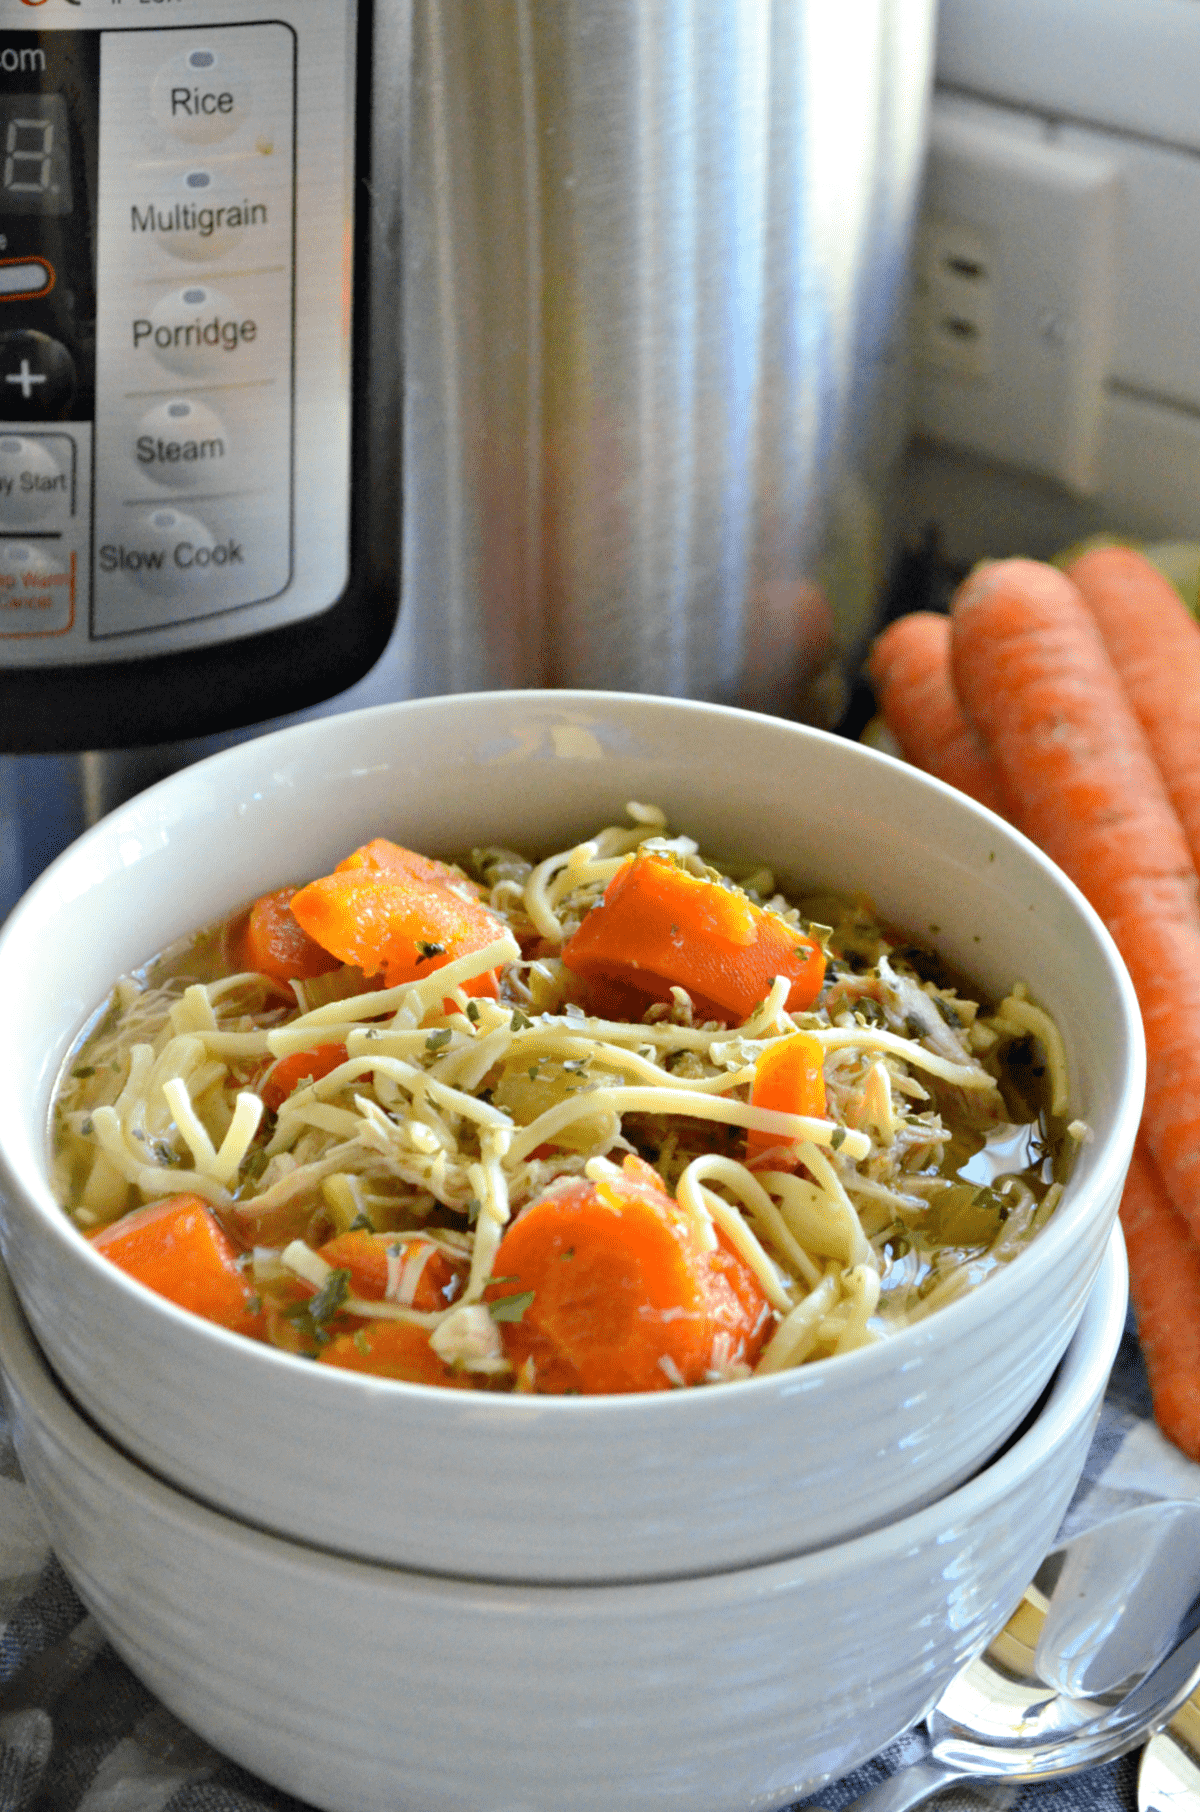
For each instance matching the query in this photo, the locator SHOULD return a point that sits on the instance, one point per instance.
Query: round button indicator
(183, 444)
(201, 216)
(35, 590)
(200, 95)
(37, 376)
(196, 330)
(170, 550)
(32, 483)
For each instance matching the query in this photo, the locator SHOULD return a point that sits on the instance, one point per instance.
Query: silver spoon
(1101, 1614)
(1169, 1773)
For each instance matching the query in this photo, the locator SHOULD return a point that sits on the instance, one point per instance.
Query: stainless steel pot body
(655, 273)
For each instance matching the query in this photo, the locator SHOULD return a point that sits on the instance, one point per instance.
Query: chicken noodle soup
(614, 1120)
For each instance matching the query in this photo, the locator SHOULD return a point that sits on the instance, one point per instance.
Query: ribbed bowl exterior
(362, 1688)
(536, 1488)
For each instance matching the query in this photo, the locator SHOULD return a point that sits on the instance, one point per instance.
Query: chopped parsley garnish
(437, 1041)
(362, 1223)
(425, 951)
(473, 1012)
(328, 1300)
(837, 1138)
(510, 1308)
(474, 1209)
(84, 1069)
(520, 1021)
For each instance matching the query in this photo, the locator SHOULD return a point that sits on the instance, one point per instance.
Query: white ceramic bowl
(535, 1487)
(360, 1687)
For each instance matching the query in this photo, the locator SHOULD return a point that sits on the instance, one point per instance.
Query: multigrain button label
(183, 217)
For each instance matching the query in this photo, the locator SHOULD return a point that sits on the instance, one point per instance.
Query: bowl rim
(1003, 1288)
(1078, 1384)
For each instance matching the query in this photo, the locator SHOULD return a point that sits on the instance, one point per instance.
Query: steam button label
(181, 443)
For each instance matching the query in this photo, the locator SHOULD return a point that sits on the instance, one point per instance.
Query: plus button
(26, 378)
(38, 376)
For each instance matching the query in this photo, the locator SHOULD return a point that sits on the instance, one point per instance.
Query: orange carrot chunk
(302, 1066)
(1034, 676)
(274, 944)
(608, 1287)
(1164, 1287)
(393, 1349)
(386, 858)
(790, 1078)
(414, 1272)
(179, 1248)
(909, 667)
(659, 927)
(394, 926)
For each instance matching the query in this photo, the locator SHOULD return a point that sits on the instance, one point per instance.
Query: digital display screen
(35, 154)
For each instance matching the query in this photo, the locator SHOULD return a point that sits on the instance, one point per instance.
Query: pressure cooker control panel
(176, 204)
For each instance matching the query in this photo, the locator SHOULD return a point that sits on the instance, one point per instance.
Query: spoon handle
(908, 1787)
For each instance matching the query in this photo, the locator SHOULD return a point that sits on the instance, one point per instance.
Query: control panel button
(25, 277)
(168, 550)
(182, 443)
(202, 213)
(37, 589)
(32, 483)
(37, 376)
(197, 331)
(201, 95)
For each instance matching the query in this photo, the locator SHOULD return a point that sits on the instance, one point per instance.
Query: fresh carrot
(659, 926)
(179, 1248)
(1164, 1287)
(1154, 643)
(909, 667)
(612, 1289)
(392, 925)
(790, 1077)
(385, 858)
(272, 943)
(421, 1274)
(301, 1066)
(1035, 679)
(393, 1349)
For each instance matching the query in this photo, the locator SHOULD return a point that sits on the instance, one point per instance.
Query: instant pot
(470, 343)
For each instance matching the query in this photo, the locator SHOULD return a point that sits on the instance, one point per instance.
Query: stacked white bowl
(379, 1594)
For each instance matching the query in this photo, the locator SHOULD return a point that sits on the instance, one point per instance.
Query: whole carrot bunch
(1070, 703)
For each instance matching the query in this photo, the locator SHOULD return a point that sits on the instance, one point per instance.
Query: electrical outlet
(954, 290)
(1015, 281)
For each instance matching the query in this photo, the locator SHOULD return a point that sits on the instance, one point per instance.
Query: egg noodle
(450, 1113)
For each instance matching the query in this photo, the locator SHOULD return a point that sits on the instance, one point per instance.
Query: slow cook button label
(172, 549)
